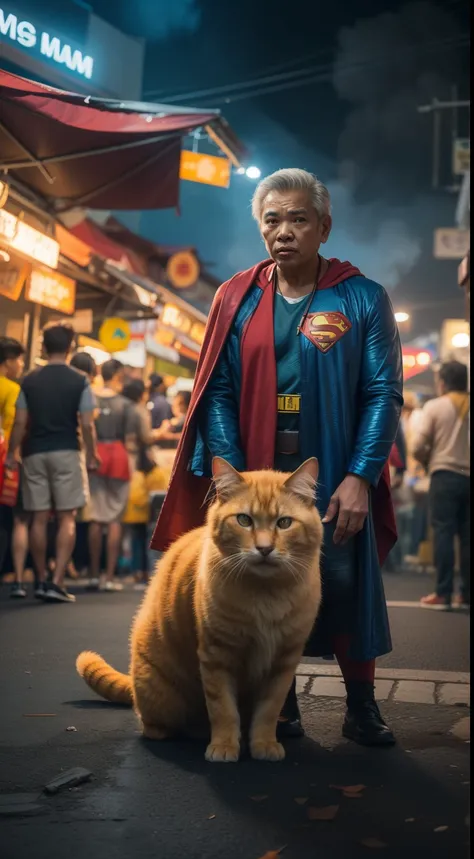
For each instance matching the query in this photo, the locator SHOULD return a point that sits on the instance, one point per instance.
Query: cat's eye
(244, 520)
(284, 523)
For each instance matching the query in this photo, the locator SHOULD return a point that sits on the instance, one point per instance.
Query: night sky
(356, 125)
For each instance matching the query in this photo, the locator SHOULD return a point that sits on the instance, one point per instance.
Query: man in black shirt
(55, 401)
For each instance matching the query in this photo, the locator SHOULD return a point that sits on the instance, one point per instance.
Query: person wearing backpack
(442, 445)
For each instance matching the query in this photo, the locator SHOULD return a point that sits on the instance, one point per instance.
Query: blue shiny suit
(351, 398)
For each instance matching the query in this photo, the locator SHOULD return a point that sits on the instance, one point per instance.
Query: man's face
(291, 228)
(14, 368)
(119, 380)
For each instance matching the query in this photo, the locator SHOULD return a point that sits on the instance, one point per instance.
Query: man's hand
(93, 462)
(397, 480)
(11, 462)
(350, 503)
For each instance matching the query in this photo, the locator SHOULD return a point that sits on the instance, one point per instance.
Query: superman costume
(341, 385)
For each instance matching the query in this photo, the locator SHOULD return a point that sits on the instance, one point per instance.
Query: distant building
(62, 43)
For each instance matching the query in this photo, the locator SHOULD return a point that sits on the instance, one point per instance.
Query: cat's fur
(222, 627)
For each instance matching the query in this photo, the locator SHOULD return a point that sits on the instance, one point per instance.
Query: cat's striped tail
(103, 679)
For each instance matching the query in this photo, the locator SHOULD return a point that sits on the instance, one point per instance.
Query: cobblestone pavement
(450, 688)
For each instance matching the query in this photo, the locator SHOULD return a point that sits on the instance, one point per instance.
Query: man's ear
(303, 481)
(327, 226)
(226, 479)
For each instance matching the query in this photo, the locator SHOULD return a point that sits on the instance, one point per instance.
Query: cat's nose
(265, 551)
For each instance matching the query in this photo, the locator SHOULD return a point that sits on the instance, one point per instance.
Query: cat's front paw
(225, 753)
(267, 750)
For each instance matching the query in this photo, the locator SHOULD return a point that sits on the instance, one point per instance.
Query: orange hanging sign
(207, 169)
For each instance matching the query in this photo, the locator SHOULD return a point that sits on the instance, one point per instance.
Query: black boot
(363, 723)
(289, 724)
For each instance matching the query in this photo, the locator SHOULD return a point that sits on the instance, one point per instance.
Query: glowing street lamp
(253, 173)
(461, 340)
(423, 359)
(401, 316)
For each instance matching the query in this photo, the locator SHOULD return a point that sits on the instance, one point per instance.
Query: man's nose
(265, 551)
(285, 232)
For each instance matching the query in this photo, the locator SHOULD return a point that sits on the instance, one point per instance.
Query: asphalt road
(163, 801)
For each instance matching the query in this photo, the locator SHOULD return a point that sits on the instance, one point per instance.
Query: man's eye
(244, 520)
(300, 220)
(284, 523)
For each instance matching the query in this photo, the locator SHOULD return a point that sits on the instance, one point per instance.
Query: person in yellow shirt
(11, 369)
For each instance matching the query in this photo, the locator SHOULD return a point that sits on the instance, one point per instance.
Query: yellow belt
(289, 403)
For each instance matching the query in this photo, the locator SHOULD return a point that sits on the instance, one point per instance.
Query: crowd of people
(82, 447)
(79, 457)
(430, 465)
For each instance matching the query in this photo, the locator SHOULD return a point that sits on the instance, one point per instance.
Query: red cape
(185, 503)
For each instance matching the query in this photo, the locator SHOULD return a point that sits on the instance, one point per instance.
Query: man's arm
(218, 418)
(87, 406)
(422, 444)
(381, 400)
(18, 432)
(7, 417)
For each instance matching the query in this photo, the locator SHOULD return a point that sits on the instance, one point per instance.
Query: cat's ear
(303, 481)
(226, 479)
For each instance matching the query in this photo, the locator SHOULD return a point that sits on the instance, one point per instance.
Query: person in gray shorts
(109, 486)
(55, 402)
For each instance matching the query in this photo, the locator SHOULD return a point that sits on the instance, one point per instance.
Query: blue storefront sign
(47, 37)
(61, 42)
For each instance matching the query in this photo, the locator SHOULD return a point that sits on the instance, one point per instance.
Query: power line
(229, 93)
(267, 70)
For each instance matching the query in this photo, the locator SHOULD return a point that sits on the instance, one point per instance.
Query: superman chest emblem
(324, 330)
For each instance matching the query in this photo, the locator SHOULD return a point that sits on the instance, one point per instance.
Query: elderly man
(302, 358)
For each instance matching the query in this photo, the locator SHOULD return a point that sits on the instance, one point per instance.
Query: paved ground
(165, 802)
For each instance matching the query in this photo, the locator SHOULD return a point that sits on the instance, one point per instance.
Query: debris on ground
(259, 798)
(441, 829)
(328, 812)
(373, 843)
(301, 800)
(71, 778)
(349, 789)
(38, 715)
(71, 728)
(274, 854)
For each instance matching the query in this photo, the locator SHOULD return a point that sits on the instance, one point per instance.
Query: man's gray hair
(292, 179)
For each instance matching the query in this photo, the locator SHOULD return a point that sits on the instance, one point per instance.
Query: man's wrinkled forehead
(289, 202)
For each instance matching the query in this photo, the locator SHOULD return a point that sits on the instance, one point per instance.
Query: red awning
(97, 153)
(92, 234)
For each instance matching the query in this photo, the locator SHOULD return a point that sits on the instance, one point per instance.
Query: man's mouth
(286, 251)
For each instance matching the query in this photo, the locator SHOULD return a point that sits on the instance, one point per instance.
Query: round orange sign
(183, 269)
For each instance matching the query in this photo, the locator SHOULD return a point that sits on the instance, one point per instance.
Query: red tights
(363, 672)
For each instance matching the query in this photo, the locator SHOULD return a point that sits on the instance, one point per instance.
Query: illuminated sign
(25, 34)
(13, 273)
(27, 240)
(207, 169)
(52, 290)
(115, 334)
(183, 269)
(174, 318)
(415, 361)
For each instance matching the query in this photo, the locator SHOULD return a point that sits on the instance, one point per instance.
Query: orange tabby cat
(223, 624)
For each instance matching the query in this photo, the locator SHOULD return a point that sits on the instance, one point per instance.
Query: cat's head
(266, 522)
